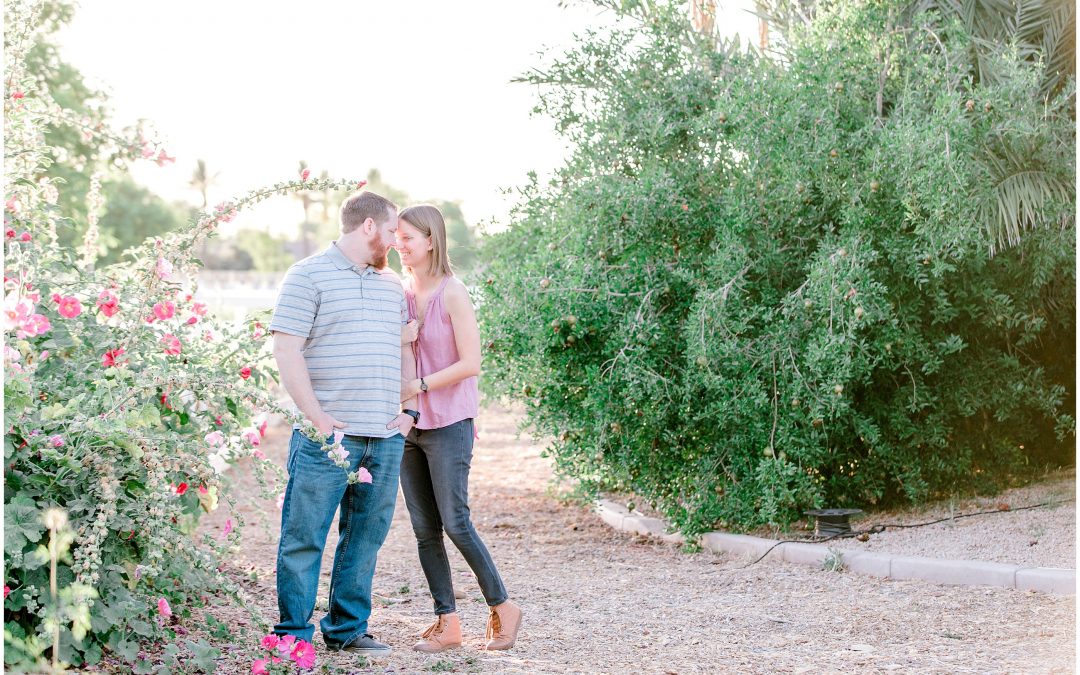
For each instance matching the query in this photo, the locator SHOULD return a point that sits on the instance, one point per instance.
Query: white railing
(233, 294)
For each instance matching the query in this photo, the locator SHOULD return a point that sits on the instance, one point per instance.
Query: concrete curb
(885, 565)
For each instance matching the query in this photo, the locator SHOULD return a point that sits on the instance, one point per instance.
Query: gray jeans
(435, 481)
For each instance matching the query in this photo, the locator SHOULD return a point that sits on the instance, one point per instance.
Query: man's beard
(378, 254)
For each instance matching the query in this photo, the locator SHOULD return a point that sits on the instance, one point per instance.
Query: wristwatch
(423, 385)
(414, 414)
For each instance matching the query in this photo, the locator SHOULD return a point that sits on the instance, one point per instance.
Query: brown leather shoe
(503, 623)
(444, 634)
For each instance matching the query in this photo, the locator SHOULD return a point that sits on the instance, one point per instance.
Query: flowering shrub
(121, 395)
(763, 284)
(283, 654)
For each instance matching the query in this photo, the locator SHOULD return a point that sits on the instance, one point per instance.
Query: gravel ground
(601, 601)
(1040, 537)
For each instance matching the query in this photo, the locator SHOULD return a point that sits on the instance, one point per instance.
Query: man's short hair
(362, 206)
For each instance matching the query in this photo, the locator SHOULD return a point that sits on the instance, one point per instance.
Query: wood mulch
(601, 601)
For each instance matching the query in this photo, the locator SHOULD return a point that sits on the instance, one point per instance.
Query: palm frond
(1023, 199)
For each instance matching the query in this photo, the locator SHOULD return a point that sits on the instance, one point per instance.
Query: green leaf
(22, 523)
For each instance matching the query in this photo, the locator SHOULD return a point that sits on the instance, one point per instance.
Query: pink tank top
(435, 349)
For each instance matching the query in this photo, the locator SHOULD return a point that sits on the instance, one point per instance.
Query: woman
(438, 451)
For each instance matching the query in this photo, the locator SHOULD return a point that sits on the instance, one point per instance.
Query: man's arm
(288, 352)
(404, 423)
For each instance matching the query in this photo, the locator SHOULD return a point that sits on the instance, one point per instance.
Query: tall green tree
(762, 281)
(133, 213)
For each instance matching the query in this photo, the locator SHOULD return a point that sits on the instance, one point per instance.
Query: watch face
(423, 385)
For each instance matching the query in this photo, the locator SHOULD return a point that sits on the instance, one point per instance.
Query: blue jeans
(435, 481)
(317, 488)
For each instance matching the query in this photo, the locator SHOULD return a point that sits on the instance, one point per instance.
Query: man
(338, 344)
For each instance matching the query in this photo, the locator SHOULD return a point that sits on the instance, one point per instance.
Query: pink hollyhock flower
(25, 236)
(170, 344)
(163, 159)
(227, 529)
(7, 591)
(258, 667)
(225, 212)
(275, 659)
(199, 308)
(56, 297)
(111, 358)
(192, 320)
(262, 427)
(208, 336)
(251, 436)
(258, 454)
(164, 268)
(361, 184)
(37, 324)
(147, 150)
(245, 372)
(163, 608)
(43, 355)
(363, 475)
(214, 439)
(56, 441)
(203, 490)
(217, 420)
(181, 488)
(70, 307)
(18, 95)
(108, 303)
(9, 233)
(165, 310)
(285, 644)
(270, 641)
(303, 654)
(16, 311)
(304, 174)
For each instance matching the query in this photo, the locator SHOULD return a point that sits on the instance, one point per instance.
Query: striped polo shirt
(351, 316)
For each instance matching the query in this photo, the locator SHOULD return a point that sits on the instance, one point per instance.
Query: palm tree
(201, 180)
(1021, 190)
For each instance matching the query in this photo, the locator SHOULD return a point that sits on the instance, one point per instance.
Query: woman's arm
(466, 338)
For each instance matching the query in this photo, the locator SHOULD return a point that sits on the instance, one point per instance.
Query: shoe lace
(494, 626)
(434, 629)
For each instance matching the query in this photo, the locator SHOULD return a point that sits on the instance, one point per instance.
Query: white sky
(419, 89)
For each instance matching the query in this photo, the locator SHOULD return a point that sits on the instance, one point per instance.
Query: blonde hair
(429, 220)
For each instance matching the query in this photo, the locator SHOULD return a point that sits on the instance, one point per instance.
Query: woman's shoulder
(456, 292)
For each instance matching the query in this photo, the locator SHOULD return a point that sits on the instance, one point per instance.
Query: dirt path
(598, 601)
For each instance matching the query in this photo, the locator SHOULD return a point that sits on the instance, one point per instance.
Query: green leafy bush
(764, 283)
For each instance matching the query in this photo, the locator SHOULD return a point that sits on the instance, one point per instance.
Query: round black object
(831, 522)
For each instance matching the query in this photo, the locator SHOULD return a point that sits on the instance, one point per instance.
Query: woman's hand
(409, 332)
(409, 388)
